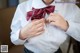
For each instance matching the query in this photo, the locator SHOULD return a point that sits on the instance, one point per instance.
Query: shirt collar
(40, 4)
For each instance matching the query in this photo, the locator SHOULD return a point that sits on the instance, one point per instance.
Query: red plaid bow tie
(39, 13)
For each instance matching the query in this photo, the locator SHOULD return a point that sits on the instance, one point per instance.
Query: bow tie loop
(50, 9)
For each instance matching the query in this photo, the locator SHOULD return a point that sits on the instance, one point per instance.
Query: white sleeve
(74, 23)
(16, 26)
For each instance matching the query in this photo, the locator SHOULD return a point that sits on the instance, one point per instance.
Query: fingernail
(51, 13)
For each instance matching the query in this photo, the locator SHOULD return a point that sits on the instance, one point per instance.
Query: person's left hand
(58, 20)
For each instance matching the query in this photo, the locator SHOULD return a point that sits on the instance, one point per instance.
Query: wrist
(23, 35)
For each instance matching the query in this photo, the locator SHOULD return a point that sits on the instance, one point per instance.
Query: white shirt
(53, 37)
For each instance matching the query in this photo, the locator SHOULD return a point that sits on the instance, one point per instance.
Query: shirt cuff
(18, 41)
(72, 30)
(71, 27)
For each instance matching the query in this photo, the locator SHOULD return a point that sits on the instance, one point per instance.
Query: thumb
(53, 23)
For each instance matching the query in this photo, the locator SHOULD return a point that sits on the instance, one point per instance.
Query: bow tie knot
(40, 13)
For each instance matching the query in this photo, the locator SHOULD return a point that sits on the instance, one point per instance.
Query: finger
(53, 23)
(39, 32)
(40, 25)
(40, 29)
(38, 21)
(53, 14)
(50, 19)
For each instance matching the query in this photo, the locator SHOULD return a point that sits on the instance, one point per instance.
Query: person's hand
(35, 28)
(58, 20)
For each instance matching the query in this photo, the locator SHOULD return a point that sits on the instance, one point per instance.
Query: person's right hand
(35, 28)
